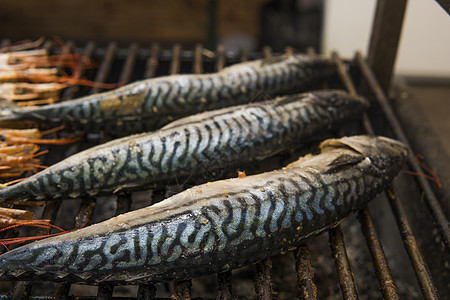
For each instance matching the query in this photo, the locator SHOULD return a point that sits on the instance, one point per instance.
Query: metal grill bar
(305, 273)
(224, 290)
(127, 71)
(152, 62)
(105, 67)
(433, 203)
(382, 268)
(345, 274)
(420, 267)
(220, 58)
(175, 64)
(197, 67)
(224, 287)
(264, 284)
(384, 275)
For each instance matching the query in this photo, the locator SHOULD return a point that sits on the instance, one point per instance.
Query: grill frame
(357, 70)
(263, 283)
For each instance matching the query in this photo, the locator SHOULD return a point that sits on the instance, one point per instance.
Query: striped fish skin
(157, 101)
(217, 226)
(195, 145)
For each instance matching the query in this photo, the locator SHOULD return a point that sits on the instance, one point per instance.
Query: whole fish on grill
(149, 104)
(217, 226)
(193, 145)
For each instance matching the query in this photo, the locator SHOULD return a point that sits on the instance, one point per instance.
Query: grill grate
(125, 65)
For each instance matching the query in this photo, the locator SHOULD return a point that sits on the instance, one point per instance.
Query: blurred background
(343, 25)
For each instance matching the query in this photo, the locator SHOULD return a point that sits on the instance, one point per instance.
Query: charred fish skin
(159, 100)
(195, 145)
(220, 225)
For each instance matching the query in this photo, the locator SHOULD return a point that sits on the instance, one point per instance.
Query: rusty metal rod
(379, 260)
(176, 57)
(105, 66)
(153, 61)
(423, 275)
(197, 67)
(305, 273)
(384, 275)
(220, 54)
(127, 70)
(345, 274)
(431, 200)
(224, 288)
(263, 280)
(386, 30)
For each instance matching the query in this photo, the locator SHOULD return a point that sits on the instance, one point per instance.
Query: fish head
(383, 155)
(339, 98)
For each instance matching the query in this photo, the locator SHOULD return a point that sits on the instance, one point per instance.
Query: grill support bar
(224, 288)
(433, 203)
(384, 275)
(381, 265)
(148, 291)
(385, 38)
(345, 274)
(305, 273)
(420, 267)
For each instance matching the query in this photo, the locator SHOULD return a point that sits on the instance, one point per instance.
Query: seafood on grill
(148, 104)
(31, 93)
(17, 217)
(218, 226)
(17, 159)
(19, 149)
(10, 137)
(193, 146)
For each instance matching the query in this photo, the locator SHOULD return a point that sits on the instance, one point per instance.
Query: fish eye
(2, 138)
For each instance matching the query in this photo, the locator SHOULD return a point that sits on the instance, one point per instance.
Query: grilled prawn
(191, 146)
(217, 226)
(151, 103)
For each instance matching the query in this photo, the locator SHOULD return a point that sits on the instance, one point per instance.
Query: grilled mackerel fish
(149, 104)
(217, 226)
(191, 146)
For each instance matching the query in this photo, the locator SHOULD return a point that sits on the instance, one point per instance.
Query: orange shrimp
(19, 149)
(31, 93)
(16, 160)
(10, 216)
(33, 136)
